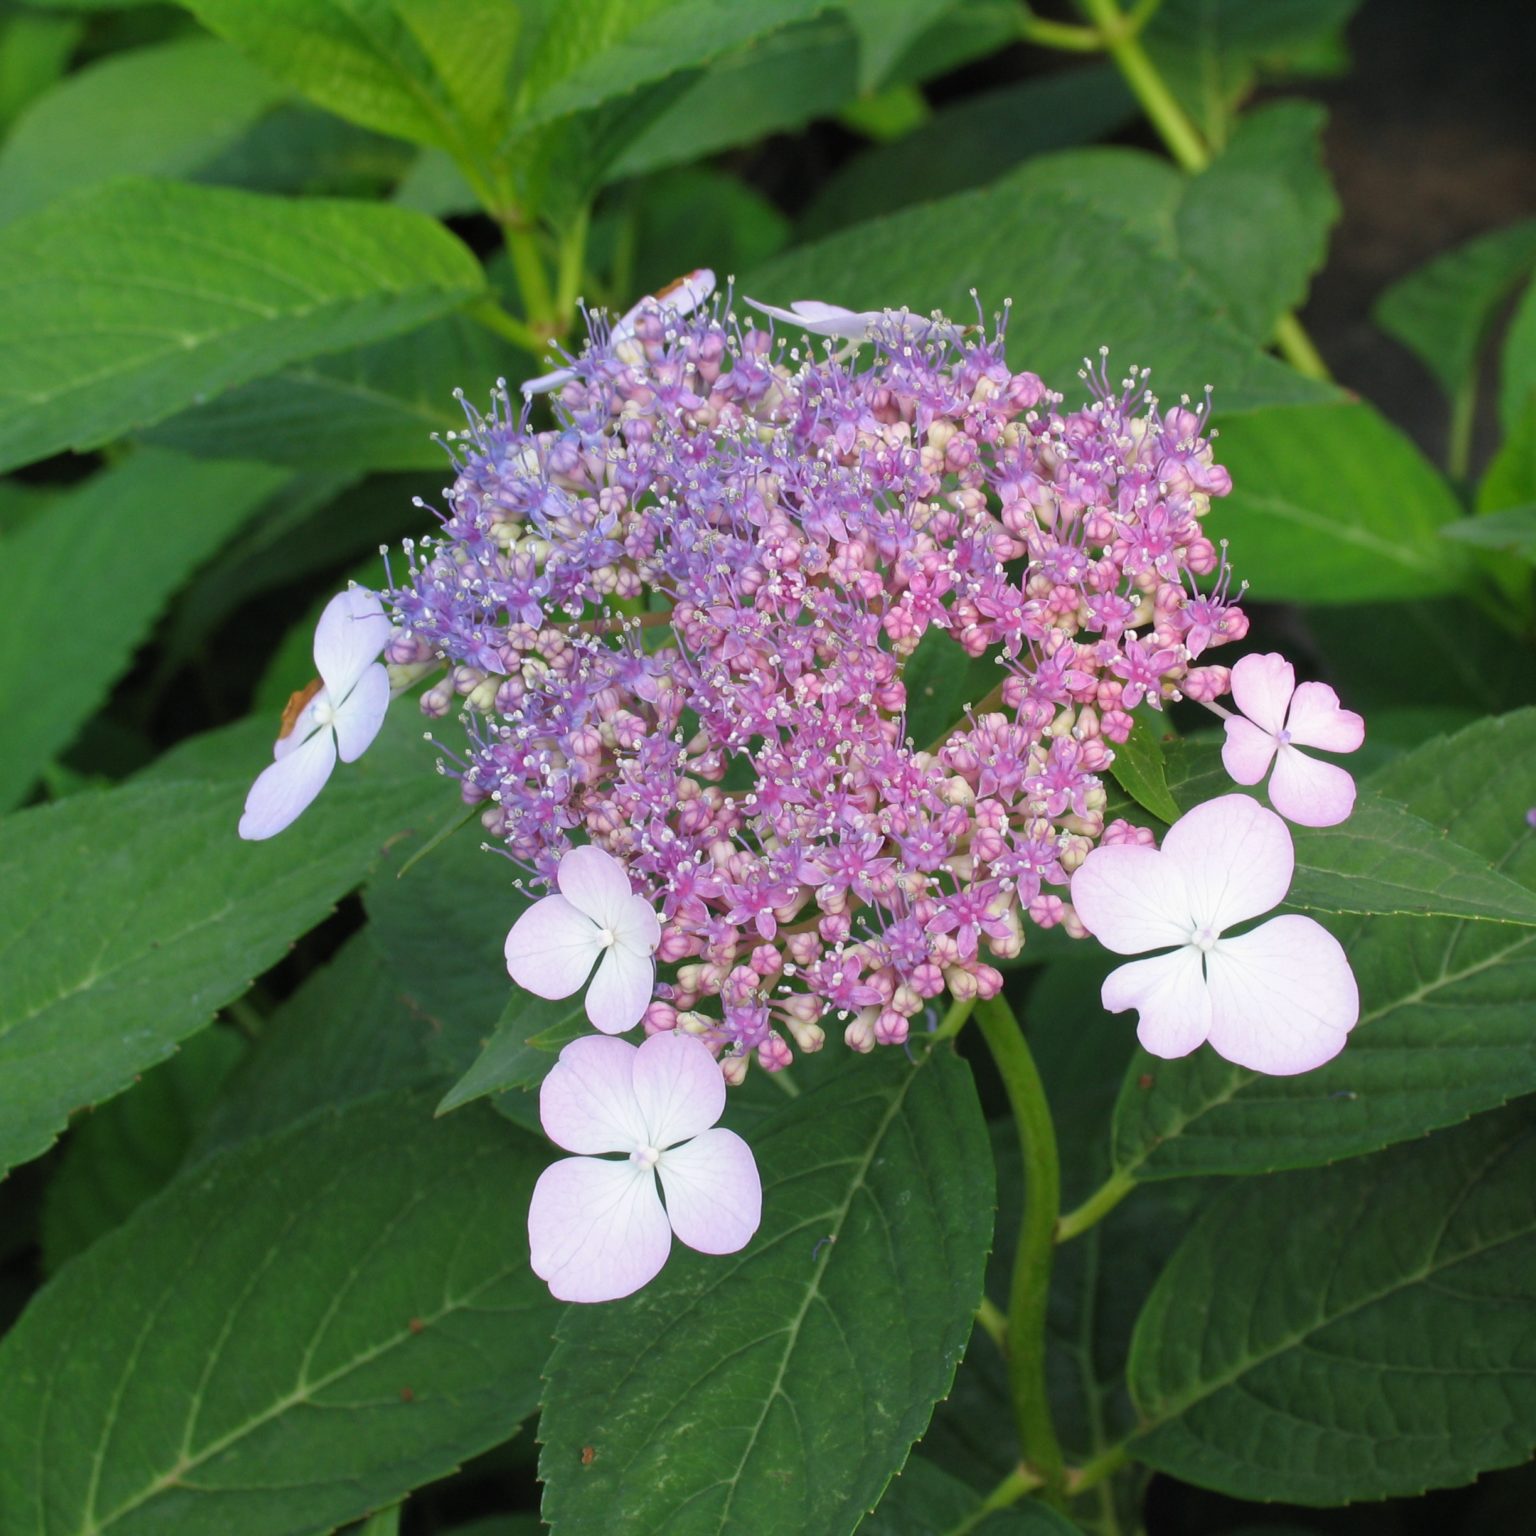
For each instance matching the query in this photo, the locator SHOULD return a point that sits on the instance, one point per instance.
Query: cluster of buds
(675, 626)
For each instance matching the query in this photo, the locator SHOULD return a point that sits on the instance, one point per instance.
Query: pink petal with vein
(596, 1230)
(713, 1192)
(1262, 687)
(1283, 998)
(351, 633)
(1131, 899)
(359, 718)
(678, 1087)
(1236, 858)
(1169, 993)
(1316, 720)
(285, 789)
(1247, 752)
(594, 882)
(551, 948)
(587, 1100)
(621, 991)
(1309, 792)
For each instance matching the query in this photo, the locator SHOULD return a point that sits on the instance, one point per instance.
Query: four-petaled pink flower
(1280, 718)
(595, 918)
(337, 716)
(1280, 998)
(597, 1229)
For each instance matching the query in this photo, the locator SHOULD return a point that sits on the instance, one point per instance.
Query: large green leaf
(824, 1344)
(1331, 504)
(35, 52)
(161, 111)
(1352, 1332)
(130, 1147)
(120, 543)
(1255, 224)
(1078, 279)
(520, 1051)
(1442, 312)
(128, 302)
(383, 406)
(1517, 389)
(298, 1333)
(1446, 1006)
(926, 1501)
(127, 917)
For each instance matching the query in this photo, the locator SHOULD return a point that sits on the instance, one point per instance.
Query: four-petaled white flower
(338, 715)
(682, 296)
(1280, 718)
(597, 1229)
(1280, 998)
(595, 918)
(818, 319)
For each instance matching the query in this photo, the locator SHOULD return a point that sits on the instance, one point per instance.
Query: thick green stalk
(1095, 1208)
(1029, 1288)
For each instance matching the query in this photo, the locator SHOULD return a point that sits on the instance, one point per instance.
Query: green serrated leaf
(1076, 275)
(132, 1146)
(129, 302)
(127, 917)
(1332, 504)
(121, 543)
(305, 1329)
(1442, 312)
(158, 111)
(842, 1323)
(1140, 770)
(1394, 1353)
(527, 1040)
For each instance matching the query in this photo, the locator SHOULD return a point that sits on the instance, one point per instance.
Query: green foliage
(843, 1324)
(303, 1330)
(122, 542)
(1140, 770)
(926, 1501)
(1412, 1265)
(196, 289)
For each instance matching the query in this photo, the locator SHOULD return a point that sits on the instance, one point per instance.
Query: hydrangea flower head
(1277, 718)
(597, 1229)
(595, 919)
(1279, 998)
(337, 716)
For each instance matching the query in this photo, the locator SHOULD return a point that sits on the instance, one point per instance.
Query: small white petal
(360, 717)
(636, 926)
(1236, 859)
(594, 882)
(1309, 792)
(1131, 899)
(596, 1230)
(713, 1192)
(678, 1087)
(621, 991)
(548, 381)
(283, 791)
(1283, 998)
(1316, 720)
(587, 1101)
(823, 319)
(1169, 993)
(1262, 687)
(1247, 752)
(351, 633)
(552, 948)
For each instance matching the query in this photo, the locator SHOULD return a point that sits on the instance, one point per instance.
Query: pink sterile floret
(597, 1229)
(1280, 998)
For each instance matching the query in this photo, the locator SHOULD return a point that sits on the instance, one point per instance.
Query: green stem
(953, 1021)
(1007, 1493)
(532, 279)
(1458, 447)
(1030, 1285)
(1092, 1473)
(245, 1017)
(1057, 34)
(992, 1322)
(1095, 1208)
(493, 317)
(572, 262)
(1297, 348)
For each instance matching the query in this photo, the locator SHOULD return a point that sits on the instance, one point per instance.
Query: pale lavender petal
(1316, 720)
(678, 1087)
(1309, 792)
(304, 726)
(682, 296)
(1236, 858)
(713, 1193)
(594, 882)
(1283, 998)
(1131, 899)
(283, 791)
(1169, 993)
(551, 948)
(823, 319)
(587, 1100)
(348, 638)
(358, 720)
(636, 926)
(596, 1230)
(1247, 752)
(1262, 687)
(548, 381)
(621, 991)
